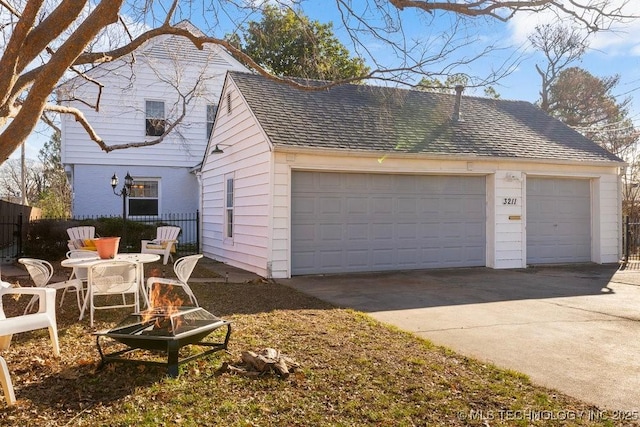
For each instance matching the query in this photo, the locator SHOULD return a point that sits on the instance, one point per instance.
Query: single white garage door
(558, 220)
(354, 222)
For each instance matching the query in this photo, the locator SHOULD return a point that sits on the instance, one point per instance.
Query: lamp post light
(124, 193)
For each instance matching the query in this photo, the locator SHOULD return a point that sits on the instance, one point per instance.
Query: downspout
(200, 216)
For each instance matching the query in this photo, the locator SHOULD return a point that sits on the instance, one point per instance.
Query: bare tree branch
(592, 14)
(561, 46)
(19, 128)
(26, 86)
(11, 54)
(10, 8)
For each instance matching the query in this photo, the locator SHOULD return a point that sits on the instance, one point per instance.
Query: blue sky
(614, 52)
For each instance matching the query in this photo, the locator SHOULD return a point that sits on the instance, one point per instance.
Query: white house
(142, 95)
(361, 178)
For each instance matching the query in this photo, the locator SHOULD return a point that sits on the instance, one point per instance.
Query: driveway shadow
(447, 287)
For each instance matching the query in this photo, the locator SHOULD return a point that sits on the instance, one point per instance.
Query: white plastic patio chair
(80, 272)
(183, 268)
(77, 236)
(113, 278)
(41, 272)
(7, 385)
(165, 241)
(45, 317)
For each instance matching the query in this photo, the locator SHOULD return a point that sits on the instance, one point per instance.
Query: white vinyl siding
(506, 220)
(121, 120)
(246, 158)
(608, 208)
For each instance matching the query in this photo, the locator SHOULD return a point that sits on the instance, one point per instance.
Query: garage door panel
(330, 205)
(379, 183)
(304, 232)
(329, 232)
(357, 205)
(304, 205)
(357, 232)
(358, 258)
(390, 222)
(329, 182)
(304, 260)
(382, 257)
(409, 258)
(558, 220)
(407, 206)
(356, 182)
(382, 231)
(382, 205)
(407, 231)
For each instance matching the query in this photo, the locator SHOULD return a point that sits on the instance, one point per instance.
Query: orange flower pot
(107, 247)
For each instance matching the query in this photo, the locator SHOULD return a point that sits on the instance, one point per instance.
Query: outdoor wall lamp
(217, 149)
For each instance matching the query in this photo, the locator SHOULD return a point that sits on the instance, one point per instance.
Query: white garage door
(351, 222)
(558, 220)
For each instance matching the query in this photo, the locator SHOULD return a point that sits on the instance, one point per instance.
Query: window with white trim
(154, 118)
(211, 117)
(228, 223)
(144, 198)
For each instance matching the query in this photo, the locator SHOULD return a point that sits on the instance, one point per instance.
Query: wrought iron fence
(48, 236)
(10, 237)
(631, 239)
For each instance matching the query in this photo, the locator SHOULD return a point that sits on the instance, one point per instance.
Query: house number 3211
(509, 201)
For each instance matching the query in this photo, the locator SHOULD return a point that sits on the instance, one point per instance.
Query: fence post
(198, 250)
(19, 231)
(627, 238)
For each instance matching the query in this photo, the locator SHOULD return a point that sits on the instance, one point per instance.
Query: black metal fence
(48, 236)
(10, 236)
(631, 239)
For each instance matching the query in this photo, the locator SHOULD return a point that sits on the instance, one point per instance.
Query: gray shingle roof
(358, 117)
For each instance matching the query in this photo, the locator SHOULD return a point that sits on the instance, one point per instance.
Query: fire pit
(164, 329)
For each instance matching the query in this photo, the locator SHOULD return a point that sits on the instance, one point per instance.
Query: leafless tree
(11, 180)
(45, 41)
(561, 47)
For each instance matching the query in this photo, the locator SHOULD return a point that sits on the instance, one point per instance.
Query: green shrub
(47, 238)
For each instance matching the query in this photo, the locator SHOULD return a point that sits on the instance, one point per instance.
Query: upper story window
(154, 118)
(144, 199)
(211, 117)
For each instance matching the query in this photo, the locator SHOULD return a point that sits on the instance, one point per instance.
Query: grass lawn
(354, 371)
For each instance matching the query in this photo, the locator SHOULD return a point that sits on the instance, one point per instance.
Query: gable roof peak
(185, 24)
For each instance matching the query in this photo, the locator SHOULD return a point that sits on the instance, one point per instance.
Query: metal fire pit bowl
(159, 330)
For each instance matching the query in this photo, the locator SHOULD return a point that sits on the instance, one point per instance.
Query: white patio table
(133, 257)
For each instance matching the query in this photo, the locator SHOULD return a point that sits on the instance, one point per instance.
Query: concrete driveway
(575, 329)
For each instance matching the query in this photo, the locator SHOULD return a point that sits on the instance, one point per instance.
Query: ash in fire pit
(166, 329)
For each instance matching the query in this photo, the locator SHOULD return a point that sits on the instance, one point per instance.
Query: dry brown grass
(355, 371)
